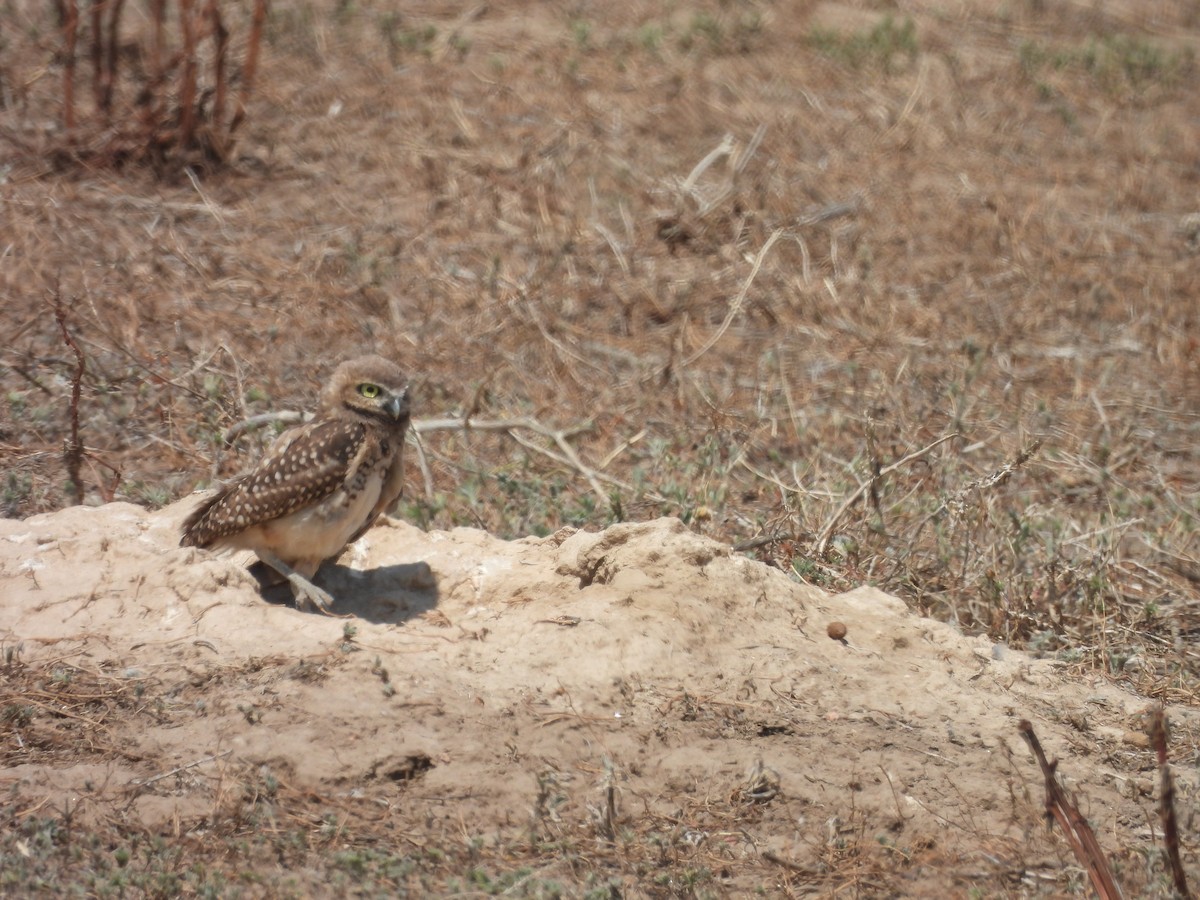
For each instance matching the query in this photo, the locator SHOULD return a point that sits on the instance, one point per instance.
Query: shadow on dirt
(389, 595)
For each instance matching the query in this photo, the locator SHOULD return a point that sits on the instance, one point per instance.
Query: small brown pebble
(837, 631)
(1136, 739)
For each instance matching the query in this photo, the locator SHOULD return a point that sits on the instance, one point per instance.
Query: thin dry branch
(73, 452)
(220, 36)
(153, 110)
(423, 465)
(1166, 802)
(250, 66)
(70, 27)
(736, 306)
(567, 456)
(187, 77)
(1075, 827)
(98, 52)
(958, 503)
(826, 531)
(285, 417)
(175, 771)
(560, 437)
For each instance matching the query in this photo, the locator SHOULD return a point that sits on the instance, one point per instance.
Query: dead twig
(1075, 827)
(1166, 802)
(826, 531)
(286, 417)
(736, 306)
(178, 769)
(250, 66)
(958, 503)
(73, 452)
(771, 856)
(567, 456)
(70, 26)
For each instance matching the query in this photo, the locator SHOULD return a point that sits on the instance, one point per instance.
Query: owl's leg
(307, 594)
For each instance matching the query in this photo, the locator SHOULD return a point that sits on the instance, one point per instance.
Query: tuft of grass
(879, 47)
(735, 32)
(1115, 62)
(404, 40)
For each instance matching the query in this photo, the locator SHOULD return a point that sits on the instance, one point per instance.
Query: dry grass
(764, 254)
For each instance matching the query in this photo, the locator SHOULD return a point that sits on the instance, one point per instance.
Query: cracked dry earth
(477, 684)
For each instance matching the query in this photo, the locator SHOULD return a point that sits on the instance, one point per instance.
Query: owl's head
(370, 387)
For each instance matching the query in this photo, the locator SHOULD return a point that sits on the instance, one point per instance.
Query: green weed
(877, 48)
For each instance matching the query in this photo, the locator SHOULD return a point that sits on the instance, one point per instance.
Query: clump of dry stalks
(1061, 808)
(185, 99)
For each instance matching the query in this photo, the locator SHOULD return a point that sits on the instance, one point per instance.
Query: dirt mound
(582, 679)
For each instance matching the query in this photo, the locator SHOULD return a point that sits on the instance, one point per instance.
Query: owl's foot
(308, 596)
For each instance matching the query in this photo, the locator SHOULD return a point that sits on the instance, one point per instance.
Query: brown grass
(763, 252)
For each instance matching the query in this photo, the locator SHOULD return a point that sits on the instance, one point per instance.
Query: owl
(320, 485)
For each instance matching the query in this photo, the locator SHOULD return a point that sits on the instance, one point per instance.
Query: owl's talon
(308, 596)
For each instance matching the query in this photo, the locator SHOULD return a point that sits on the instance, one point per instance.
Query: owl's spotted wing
(304, 466)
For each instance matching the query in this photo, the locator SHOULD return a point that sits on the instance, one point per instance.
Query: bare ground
(637, 711)
(811, 278)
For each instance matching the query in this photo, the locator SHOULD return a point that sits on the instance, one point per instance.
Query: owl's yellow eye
(370, 391)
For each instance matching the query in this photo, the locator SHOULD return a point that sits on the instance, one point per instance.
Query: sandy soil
(500, 686)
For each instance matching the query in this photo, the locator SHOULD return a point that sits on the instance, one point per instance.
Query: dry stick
(723, 149)
(771, 856)
(956, 504)
(106, 493)
(559, 435)
(112, 55)
(187, 78)
(1075, 827)
(1166, 802)
(567, 458)
(873, 456)
(182, 768)
(287, 417)
(158, 10)
(98, 54)
(73, 452)
(221, 42)
(736, 306)
(423, 464)
(70, 33)
(250, 66)
(827, 530)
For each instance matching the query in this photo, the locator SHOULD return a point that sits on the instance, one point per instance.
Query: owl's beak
(396, 406)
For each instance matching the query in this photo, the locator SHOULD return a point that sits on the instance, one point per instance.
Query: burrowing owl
(320, 485)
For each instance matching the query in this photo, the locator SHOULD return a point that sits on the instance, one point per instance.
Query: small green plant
(404, 40)
(349, 635)
(16, 716)
(650, 37)
(703, 26)
(581, 33)
(1114, 62)
(807, 570)
(877, 48)
(152, 496)
(18, 490)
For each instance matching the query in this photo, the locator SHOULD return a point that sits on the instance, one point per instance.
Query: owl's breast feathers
(303, 467)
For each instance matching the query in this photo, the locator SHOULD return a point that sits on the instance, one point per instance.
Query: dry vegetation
(892, 293)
